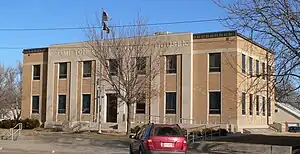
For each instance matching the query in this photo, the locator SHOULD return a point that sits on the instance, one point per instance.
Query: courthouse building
(208, 80)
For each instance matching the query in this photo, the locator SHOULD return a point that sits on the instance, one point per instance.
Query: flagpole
(100, 90)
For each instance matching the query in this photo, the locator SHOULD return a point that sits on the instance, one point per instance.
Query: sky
(31, 14)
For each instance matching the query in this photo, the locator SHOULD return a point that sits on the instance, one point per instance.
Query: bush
(135, 129)
(223, 132)
(26, 123)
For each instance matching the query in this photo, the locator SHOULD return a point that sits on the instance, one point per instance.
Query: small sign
(167, 145)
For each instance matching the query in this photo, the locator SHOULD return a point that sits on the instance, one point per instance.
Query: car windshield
(167, 131)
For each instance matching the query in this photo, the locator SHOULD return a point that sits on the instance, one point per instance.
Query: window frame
(89, 73)
(170, 64)
(244, 112)
(217, 61)
(82, 104)
(218, 95)
(243, 63)
(143, 103)
(114, 66)
(65, 105)
(168, 109)
(35, 111)
(35, 75)
(250, 66)
(61, 74)
(263, 106)
(141, 70)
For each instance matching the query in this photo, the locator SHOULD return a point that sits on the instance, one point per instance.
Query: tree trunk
(128, 125)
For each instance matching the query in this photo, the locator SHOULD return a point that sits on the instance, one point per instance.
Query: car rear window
(166, 131)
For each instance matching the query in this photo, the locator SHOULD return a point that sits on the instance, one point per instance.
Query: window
(263, 70)
(87, 68)
(263, 106)
(62, 103)
(251, 104)
(257, 105)
(257, 67)
(141, 105)
(36, 72)
(167, 131)
(170, 102)
(243, 63)
(113, 67)
(269, 107)
(215, 62)
(243, 103)
(86, 103)
(214, 102)
(141, 65)
(63, 70)
(35, 104)
(171, 64)
(250, 66)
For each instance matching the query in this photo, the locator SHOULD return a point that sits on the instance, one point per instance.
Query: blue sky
(76, 13)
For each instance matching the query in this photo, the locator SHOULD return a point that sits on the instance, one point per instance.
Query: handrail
(12, 130)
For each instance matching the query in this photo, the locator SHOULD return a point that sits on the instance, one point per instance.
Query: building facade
(218, 77)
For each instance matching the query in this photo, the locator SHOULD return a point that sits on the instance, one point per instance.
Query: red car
(158, 139)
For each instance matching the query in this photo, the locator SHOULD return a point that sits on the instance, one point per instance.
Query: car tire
(130, 150)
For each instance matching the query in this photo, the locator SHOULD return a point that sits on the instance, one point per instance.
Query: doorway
(112, 108)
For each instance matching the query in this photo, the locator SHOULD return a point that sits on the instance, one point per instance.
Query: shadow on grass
(214, 148)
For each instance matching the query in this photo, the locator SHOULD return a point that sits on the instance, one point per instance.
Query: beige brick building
(208, 80)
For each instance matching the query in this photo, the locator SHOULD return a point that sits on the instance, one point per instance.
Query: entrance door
(112, 108)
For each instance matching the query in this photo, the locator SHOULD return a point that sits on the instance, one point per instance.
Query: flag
(104, 16)
(105, 27)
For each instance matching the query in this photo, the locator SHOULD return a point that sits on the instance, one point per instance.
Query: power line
(119, 26)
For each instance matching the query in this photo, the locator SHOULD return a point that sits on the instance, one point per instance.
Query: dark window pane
(62, 103)
(243, 63)
(141, 65)
(166, 131)
(141, 105)
(264, 106)
(263, 70)
(35, 104)
(171, 64)
(113, 67)
(269, 107)
(257, 105)
(243, 103)
(214, 102)
(251, 104)
(86, 103)
(87, 69)
(171, 103)
(63, 70)
(36, 72)
(215, 62)
(257, 67)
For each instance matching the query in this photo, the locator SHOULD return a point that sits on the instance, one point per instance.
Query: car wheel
(130, 150)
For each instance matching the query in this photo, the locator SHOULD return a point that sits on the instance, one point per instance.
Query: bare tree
(276, 25)
(10, 91)
(130, 60)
